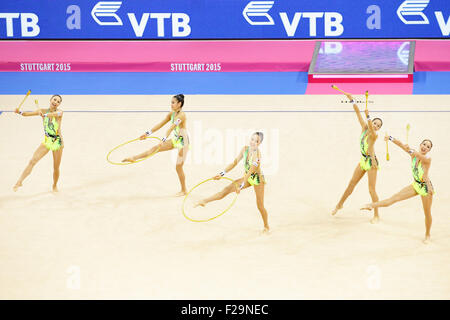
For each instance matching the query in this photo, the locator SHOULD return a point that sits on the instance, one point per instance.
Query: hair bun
(180, 98)
(261, 135)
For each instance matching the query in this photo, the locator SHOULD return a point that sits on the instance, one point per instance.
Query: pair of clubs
(408, 127)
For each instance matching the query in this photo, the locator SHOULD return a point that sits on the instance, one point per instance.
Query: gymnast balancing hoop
(420, 165)
(53, 141)
(253, 177)
(221, 213)
(177, 119)
(368, 162)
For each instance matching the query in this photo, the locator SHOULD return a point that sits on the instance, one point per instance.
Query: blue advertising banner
(223, 19)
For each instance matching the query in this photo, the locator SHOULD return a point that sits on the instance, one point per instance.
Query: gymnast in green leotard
(368, 162)
(253, 176)
(420, 165)
(53, 141)
(180, 139)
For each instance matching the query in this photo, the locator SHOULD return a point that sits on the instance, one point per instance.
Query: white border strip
(381, 76)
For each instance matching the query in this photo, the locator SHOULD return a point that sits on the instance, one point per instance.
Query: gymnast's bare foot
(181, 193)
(128, 160)
(427, 240)
(266, 230)
(367, 207)
(335, 210)
(200, 203)
(375, 220)
(17, 186)
(55, 189)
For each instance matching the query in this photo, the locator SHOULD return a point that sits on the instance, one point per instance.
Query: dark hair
(429, 142)
(260, 135)
(56, 95)
(378, 119)
(180, 98)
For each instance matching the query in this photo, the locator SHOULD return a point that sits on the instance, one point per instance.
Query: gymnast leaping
(180, 140)
(420, 165)
(368, 162)
(253, 176)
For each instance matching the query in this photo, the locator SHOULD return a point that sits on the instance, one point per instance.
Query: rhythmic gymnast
(421, 186)
(52, 140)
(180, 140)
(253, 176)
(368, 162)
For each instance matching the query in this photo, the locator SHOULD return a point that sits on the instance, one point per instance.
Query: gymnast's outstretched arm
(232, 165)
(157, 127)
(357, 111)
(28, 113)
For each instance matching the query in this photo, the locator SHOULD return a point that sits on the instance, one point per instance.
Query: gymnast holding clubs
(368, 162)
(53, 141)
(420, 165)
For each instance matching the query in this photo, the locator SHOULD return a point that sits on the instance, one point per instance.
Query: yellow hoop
(126, 163)
(227, 208)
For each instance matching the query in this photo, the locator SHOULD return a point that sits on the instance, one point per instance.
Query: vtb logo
(256, 13)
(28, 23)
(256, 10)
(410, 12)
(104, 13)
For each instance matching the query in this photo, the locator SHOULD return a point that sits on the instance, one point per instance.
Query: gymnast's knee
(261, 207)
(33, 162)
(373, 192)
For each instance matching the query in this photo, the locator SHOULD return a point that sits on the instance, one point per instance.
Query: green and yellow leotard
(419, 185)
(52, 139)
(366, 160)
(177, 140)
(257, 177)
